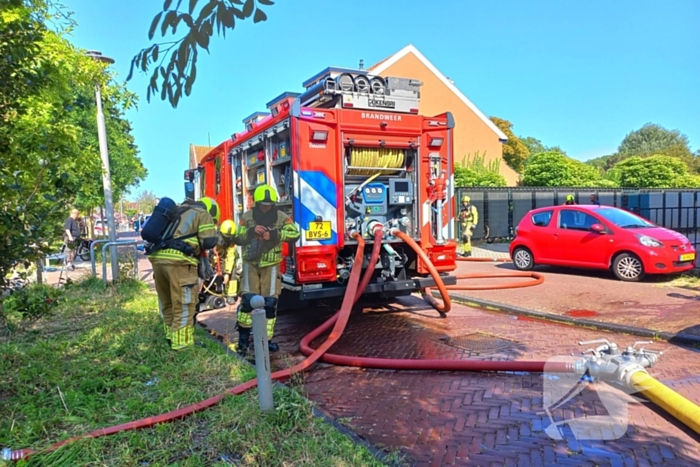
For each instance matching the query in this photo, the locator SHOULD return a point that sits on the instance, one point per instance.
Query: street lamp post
(106, 177)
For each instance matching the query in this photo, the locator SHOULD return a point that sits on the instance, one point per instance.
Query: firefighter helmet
(228, 228)
(212, 208)
(466, 199)
(569, 197)
(264, 194)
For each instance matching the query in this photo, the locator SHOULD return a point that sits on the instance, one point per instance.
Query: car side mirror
(598, 228)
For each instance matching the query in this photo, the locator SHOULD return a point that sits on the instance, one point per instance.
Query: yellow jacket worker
(262, 231)
(228, 253)
(175, 268)
(468, 218)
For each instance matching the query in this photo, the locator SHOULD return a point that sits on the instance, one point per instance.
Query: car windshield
(623, 219)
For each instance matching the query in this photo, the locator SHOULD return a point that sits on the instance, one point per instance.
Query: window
(541, 219)
(576, 220)
(623, 219)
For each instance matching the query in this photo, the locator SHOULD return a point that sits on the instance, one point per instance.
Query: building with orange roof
(474, 132)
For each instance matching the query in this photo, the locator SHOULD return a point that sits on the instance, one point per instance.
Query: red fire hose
(339, 322)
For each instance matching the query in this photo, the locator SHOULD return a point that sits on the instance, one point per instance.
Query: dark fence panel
(502, 209)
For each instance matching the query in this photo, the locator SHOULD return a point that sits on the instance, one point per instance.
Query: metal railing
(108, 244)
(501, 209)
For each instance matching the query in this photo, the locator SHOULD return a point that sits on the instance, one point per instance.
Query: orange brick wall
(471, 132)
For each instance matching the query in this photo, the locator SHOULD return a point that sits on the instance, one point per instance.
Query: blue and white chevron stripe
(315, 195)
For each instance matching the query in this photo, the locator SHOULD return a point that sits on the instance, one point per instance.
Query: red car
(599, 237)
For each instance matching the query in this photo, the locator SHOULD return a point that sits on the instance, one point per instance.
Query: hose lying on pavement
(338, 321)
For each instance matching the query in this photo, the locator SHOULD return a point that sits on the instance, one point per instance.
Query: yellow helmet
(569, 197)
(265, 194)
(228, 228)
(466, 199)
(212, 208)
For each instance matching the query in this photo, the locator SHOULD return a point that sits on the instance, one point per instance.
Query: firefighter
(262, 231)
(228, 252)
(468, 218)
(175, 269)
(569, 200)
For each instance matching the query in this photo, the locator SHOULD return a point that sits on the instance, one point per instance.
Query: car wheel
(522, 259)
(628, 267)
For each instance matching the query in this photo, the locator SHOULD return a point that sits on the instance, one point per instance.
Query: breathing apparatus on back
(165, 220)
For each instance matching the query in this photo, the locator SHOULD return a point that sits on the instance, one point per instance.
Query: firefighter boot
(243, 340)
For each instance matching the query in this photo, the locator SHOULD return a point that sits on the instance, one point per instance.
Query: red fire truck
(348, 154)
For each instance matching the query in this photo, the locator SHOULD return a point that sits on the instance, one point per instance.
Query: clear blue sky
(578, 74)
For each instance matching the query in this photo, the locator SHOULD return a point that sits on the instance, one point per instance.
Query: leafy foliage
(126, 168)
(514, 151)
(176, 62)
(472, 172)
(39, 147)
(146, 201)
(656, 172)
(535, 146)
(650, 140)
(31, 302)
(45, 134)
(552, 169)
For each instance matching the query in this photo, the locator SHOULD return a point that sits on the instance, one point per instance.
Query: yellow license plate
(688, 257)
(319, 231)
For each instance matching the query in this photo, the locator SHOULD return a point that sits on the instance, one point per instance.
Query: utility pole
(106, 176)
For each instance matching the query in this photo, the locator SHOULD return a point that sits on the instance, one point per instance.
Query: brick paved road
(476, 419)
(650, 304)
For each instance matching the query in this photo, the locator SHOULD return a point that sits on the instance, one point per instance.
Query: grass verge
(101, 359)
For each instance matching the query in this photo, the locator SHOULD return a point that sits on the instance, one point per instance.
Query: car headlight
(648, 241)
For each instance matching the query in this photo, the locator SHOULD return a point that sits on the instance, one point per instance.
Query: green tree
(552, 169)
(535, 146)
(600, 162)
(474, 171)
(653, 139)
(514, 151)
(126, 167)
(40, 154)
(656, 171)
(175, 62)
(146, 201)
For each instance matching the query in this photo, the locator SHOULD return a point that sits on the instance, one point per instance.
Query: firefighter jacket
(228, 253)
(263, 253)
(197, 226)
(469, 215)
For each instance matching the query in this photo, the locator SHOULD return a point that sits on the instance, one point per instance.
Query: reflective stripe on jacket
(288, 232)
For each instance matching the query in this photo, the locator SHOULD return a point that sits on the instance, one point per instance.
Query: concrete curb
(670, 337)
(379, 454)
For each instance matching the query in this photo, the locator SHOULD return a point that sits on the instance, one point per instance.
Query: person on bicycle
(71, 237)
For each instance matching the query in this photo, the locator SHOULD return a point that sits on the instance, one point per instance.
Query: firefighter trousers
(265, 282)
(465, 242)
(232, 288)
(177, 285)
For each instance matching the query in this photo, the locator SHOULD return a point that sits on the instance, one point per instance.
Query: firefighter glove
(204, 269)
(274, 235)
